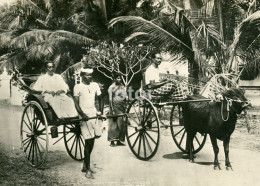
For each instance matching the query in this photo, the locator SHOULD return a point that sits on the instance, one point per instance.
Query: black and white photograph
(130, 92)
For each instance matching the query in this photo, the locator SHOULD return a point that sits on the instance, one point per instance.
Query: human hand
(98, 113)
(84, 117)
(49, 92)
(114, 119)
(112, 112)
(60, 92)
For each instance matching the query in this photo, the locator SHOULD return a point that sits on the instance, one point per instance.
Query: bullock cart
(147, 114)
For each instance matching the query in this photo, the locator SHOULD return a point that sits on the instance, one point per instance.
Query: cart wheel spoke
(152, 130)
(30, 141)
(70, 138)
(139, 145)
(133, 134)
(179, 133)
(26, 132)
(147, 116)
(151, 138)
(30, 151)
(27, 140)
(38, 142)
(139, 135)
(76, 147)
(74, 142)
(38, 148)
(144, 146)
(30, 128)
(197, 140)
(182, 137)
(33, 118)
(137, 115)
(136, 139)
(38, 123)
(80, 150)
(41, 138)
(148, 144)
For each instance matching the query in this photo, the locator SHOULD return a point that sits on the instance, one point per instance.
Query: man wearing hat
(84, 97)
(54, 89)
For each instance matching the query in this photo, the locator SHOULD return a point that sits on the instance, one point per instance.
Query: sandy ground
(118, 166)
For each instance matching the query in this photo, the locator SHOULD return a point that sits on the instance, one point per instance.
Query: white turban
(87, 70)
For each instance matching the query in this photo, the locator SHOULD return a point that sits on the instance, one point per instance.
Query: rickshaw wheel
(74, 141)
(142, 129)
(179, 133)
(34, 134)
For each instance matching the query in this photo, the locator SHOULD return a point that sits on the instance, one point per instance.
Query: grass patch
(14, 171)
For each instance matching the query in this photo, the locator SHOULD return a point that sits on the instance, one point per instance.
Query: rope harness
(229, 104)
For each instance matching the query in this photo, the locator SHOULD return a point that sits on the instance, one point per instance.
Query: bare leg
(226, 149)
(89, 144)
(216, 150)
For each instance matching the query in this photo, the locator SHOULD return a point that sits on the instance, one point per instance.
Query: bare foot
(112, 144)
(89, 175)
(119, 143)
(92, 171)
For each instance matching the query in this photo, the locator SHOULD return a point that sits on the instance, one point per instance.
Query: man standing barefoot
(84, 97)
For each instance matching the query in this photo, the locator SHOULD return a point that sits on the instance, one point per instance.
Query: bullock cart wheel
(74, 141)
(179, 133)
(34, 134)
(142, 128)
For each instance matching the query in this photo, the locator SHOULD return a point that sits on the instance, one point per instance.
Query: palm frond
(16, 23)
(133, 35)
(73, 37)
(7, 19)
(158, 35)
(245, 35)
(16, 59)
(250, 27)
(6, 38)
(34, 8)
(49, 4)
(75, 19)
(30, 37)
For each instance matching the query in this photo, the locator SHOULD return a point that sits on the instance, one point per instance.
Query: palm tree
(33, 32)
(176, 35)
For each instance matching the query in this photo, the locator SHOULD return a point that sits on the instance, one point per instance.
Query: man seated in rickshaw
(152, 79)
(54, 89)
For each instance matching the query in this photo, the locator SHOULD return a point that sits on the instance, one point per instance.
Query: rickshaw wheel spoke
(74, 141)
(29, 137)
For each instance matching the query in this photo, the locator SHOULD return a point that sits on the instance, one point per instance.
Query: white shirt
(50, 83)
(152, 73)
(87, 95)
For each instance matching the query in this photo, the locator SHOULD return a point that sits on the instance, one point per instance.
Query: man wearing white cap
(54, 89)
(84, 97)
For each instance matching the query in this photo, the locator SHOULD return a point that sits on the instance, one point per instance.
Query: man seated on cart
(54, 89)
(152, 78)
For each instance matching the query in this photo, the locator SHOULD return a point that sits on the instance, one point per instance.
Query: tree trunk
(193, 68)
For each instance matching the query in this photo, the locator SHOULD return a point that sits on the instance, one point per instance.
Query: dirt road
(118, 166)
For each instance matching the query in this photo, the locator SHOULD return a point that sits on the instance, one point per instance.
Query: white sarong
(62, 105)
